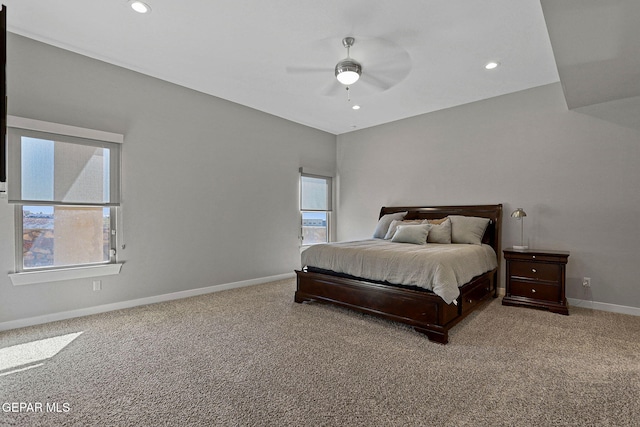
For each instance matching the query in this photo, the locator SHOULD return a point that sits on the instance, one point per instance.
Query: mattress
(440, 268)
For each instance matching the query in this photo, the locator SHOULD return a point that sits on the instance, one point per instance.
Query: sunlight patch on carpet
(35, 351)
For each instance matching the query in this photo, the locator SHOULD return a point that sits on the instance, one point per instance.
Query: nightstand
(536, 278)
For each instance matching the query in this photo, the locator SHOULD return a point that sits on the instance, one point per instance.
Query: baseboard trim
(603, 306)
(64, 315)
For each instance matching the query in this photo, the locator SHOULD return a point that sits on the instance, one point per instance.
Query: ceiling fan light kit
(348, 70)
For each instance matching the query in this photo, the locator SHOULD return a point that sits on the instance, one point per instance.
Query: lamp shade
(518, 213)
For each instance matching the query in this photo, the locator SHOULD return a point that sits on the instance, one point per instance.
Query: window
(66, 192)
(315, 208)
(63, 236)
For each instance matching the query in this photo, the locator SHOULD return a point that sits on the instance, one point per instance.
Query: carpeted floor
(252, 357)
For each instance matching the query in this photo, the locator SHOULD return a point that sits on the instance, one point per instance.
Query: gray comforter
(438, 267)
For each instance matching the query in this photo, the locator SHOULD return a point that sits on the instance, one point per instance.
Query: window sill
(43, 276)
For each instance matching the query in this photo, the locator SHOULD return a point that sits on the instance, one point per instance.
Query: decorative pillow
(440, 232)
(384, 222)
(468, 229)
(437, 221)
(395, 224)
(415, 234)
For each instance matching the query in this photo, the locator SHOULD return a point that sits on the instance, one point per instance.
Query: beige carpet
(252, 357)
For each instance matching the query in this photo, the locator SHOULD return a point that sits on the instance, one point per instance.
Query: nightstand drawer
(539, 291)
(535, 270)
(524, 256)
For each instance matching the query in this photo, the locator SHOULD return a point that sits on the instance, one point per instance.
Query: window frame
(329, 179)
(18, 127)
(19, 241)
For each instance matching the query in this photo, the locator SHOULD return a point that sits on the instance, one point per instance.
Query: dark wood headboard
(492, 236)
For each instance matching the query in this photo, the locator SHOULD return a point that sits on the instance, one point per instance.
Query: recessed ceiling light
(356, 107)
(140, 7)
(491, 65)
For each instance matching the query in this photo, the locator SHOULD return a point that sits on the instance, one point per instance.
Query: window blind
(315, 193)
(53, 169)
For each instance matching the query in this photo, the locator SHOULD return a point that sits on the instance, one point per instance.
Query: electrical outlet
(97, 285)
(586, 282)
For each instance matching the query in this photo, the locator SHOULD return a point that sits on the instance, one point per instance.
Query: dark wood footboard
(425, 311)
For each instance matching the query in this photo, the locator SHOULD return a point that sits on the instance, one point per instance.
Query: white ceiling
(597, 47)
(418, 56)
(597, 50)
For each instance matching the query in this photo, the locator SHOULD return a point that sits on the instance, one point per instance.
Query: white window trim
(75, 272)
(40, 126)
(56, 275)
(305, 171)
(329, 230)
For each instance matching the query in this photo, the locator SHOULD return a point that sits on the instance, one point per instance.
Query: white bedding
(440, 268)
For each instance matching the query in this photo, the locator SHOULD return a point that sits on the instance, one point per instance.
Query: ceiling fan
(384, 64)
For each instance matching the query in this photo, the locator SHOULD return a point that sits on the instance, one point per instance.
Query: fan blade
(333, 89)
(303, 70)
(397, 62)
(378, 82)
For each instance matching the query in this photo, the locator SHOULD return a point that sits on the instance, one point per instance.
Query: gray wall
(210, 188)
(576, 176)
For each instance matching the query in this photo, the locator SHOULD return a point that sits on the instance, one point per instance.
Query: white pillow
(415, 234)
(384, 222)
(468, 229)
(395, 224)
(440, 233)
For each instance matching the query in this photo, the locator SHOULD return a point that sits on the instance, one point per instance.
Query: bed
(423, 309)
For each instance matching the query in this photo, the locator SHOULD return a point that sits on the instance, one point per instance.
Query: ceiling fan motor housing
(347, 66)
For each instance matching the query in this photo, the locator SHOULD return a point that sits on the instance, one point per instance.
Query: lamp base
(520, 248)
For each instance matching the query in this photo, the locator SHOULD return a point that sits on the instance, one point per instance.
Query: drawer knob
(534, 270)
(470, 301)
(534, 257)
(533, 291)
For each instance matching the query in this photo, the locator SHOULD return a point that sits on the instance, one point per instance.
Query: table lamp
(519, 214)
